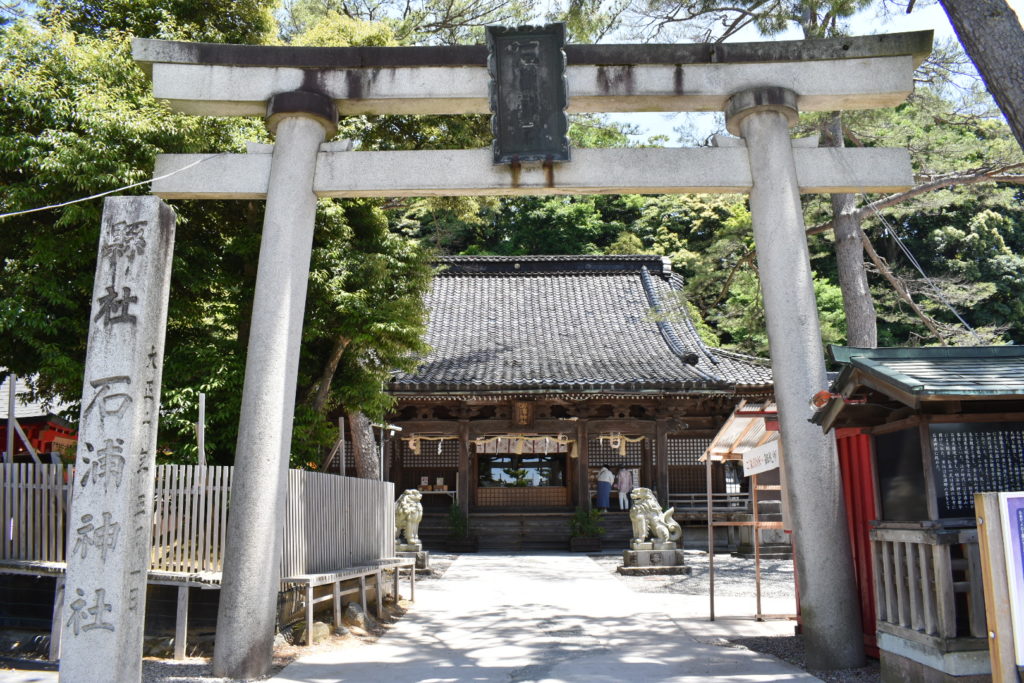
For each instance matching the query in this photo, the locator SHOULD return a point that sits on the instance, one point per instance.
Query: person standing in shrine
(624, 483)
(605, 479)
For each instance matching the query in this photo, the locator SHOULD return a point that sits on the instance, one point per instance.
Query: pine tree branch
(746, 259)
(900, 288)
(1003, 174)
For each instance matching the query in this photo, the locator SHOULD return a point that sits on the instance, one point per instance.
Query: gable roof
(914, 377)
(561, 324)
(939, 371)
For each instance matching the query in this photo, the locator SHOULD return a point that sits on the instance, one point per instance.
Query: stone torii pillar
(247, 613)
(762, 116)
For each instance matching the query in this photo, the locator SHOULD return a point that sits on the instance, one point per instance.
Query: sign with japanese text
(111, 516)
(528, 93)
(761, 459)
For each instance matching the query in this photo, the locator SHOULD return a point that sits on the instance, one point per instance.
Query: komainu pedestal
(408, 515)
(660, 554)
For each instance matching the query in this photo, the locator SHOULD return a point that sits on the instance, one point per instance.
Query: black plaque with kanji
(528, 93)
(975, 457)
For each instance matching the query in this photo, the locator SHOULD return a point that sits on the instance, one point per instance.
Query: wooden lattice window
(686, 473)
(439, 454)
(601, 454)
(687, 450)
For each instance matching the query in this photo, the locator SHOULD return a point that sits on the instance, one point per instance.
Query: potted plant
(459, 540)
(585, 530)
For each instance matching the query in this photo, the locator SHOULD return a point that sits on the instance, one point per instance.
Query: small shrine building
(544, 369)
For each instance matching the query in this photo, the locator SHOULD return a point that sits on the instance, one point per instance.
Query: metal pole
(12, 394)
(757, 552)
(201, 430)
(711, 541)
(341, 444)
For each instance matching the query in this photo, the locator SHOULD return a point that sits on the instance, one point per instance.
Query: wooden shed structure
(920, 431)
(544, 369)
(48, 433)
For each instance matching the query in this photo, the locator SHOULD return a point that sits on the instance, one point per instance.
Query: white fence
(330, 521)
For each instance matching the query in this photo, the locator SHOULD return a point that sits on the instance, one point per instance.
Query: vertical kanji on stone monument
(110, 522)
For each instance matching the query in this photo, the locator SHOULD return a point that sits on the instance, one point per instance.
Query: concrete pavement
(550, 617)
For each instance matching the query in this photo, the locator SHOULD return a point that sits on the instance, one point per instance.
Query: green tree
(77, 118)
(416, 22)
(211, 21)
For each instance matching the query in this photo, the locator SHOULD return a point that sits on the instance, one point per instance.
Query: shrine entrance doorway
(523, 472)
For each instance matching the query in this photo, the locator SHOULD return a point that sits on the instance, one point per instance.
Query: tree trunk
(993, 38)
(364, 448)
(859, 307)
(323, 390)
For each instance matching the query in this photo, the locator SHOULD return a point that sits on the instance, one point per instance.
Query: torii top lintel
(237, 80)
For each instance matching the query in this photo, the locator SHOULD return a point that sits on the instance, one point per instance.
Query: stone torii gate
(761, 87)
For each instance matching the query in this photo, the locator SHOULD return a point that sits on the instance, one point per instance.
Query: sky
(866, 23)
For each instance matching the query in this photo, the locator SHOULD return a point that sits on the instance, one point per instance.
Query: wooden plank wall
(33, 504)
(330, 522)
(333, 522)
(190, 514)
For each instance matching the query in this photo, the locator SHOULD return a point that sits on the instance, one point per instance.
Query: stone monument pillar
(111, 518)
(252, 557)
(828, 598)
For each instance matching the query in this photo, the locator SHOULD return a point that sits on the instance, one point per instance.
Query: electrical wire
(103, 194)
(913, 260)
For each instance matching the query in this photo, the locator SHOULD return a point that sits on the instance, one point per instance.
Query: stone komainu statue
(649, 520)
(408, 515)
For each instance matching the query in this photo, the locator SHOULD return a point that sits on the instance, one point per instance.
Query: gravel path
(734, 576)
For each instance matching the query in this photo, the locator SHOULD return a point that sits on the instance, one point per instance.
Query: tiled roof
(23, 408)
(873, 383)
(565, 324)
(942, 371)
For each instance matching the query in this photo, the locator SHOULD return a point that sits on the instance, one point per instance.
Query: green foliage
(77, 118)
(458, 523)
(586, 523)
(446, 22)
(210, 21)
(337, 30)
(625, 243)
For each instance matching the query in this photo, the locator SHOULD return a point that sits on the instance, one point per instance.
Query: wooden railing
(720, 502)
(330, 521)
(919, 574)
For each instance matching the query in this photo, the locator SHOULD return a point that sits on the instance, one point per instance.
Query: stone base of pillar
(906, 660)
(649, 562)
(422, 557)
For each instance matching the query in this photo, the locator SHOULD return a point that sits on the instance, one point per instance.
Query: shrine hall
(543, 370)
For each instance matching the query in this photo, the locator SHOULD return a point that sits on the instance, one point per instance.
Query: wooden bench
(334, 578)
(211, 580)
(183, 581)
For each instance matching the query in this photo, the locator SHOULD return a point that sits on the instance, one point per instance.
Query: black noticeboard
(975, 457)
(901, 483)
(528, 93)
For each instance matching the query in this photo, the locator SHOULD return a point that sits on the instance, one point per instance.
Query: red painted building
(45, 430)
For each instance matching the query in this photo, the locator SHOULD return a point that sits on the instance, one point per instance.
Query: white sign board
(1011, 508)
(761, 459)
